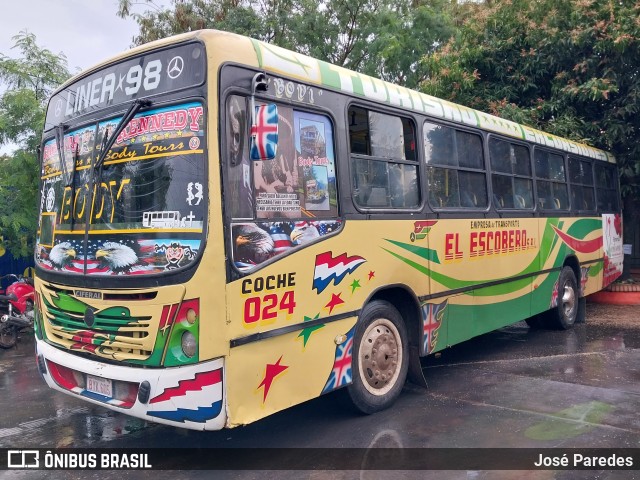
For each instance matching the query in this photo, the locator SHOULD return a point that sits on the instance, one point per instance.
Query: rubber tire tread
(360, 397)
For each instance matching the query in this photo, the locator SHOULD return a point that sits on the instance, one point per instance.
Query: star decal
(354, 285)
(271, 371)
(371, 274)
(306, 333)
(335, 301)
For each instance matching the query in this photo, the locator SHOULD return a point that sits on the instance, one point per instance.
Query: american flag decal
(341, 372)
(281, 239)
(432, 314)
(329, 269)
(264, 133)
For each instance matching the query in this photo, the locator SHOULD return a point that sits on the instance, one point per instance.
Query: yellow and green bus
(228, 228)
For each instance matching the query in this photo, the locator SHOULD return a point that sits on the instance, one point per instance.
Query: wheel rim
(568, 300)
(380, 356)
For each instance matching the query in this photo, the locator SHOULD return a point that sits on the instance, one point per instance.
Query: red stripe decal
(582, 246)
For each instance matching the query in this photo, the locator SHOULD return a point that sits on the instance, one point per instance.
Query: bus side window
(582, 186)
(607, 187)
(239, 191)
(551, 180)
(388, 176)
(455, 167)
(511, 175)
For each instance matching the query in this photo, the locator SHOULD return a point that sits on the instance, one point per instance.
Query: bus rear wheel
(380, 357)
(564, 315)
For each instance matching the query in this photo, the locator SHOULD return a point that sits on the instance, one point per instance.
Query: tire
(564, 315)
(8, 336)
(380, 357)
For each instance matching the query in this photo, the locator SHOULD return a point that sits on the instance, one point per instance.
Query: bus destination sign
(139, 77)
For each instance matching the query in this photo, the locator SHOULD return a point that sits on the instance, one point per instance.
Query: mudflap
(582, 310)
(415, 374)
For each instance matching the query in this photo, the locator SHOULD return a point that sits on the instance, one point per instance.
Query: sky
(86, 31)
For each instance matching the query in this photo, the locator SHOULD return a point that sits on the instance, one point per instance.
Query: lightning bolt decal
(200, 414)
(200, 381)
(329, 269)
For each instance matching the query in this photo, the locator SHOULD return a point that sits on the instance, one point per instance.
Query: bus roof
(310, 70)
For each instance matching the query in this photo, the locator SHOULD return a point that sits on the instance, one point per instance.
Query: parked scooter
(16, 309)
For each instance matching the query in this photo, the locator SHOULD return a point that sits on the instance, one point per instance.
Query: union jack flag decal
(264, 133)
(554, 296)
(341, 372)
(584, 277)
(432, 314)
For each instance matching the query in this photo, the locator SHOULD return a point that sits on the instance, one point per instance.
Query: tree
(29, 79)
(570, 67)
(379, 37)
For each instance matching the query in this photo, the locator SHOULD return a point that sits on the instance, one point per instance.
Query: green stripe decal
(425, 253)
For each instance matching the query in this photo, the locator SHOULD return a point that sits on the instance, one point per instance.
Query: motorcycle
(16, 309)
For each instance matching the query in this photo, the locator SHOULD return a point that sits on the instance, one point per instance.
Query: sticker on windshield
(118, 256)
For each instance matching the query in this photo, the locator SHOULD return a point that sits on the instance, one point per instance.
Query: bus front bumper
(191, 396)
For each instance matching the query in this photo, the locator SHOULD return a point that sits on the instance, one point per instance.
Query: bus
(323, 230)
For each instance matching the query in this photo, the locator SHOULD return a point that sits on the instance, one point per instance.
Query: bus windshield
(139, 211)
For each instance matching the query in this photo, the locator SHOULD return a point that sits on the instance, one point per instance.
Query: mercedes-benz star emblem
(174, 69)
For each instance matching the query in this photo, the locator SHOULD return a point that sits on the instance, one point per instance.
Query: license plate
(99, 385)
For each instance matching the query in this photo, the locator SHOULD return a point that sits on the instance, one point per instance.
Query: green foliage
(570, 67)
(29, 79)
(379, 37)
(18, 201)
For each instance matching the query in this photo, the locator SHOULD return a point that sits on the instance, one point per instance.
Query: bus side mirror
(264, 132)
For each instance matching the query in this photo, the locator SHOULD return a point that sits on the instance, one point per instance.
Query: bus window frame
(513, 210)
(483, 138)
(536, 178)
(420, 170)
(233, 272)
(592, 163)
(616, 185)
(197, 94)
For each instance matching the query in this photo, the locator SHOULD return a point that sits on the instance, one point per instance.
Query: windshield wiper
(72, 182)
(59, 130)
(109, 140)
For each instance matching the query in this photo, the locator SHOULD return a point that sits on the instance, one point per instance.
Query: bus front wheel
(380, 357)
(564, 315)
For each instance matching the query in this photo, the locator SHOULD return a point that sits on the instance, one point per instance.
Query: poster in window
(276, 181)
(316, 162)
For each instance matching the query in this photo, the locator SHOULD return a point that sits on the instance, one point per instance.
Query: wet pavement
(515, 387)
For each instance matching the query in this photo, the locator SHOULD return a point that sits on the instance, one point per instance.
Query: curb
(624, 297)
(623, 287)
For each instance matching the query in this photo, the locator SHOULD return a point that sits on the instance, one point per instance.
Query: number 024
(267, 307)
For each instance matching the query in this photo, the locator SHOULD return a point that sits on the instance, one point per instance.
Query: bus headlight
(189, 344)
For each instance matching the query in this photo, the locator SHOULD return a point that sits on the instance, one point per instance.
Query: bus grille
(114, 333)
